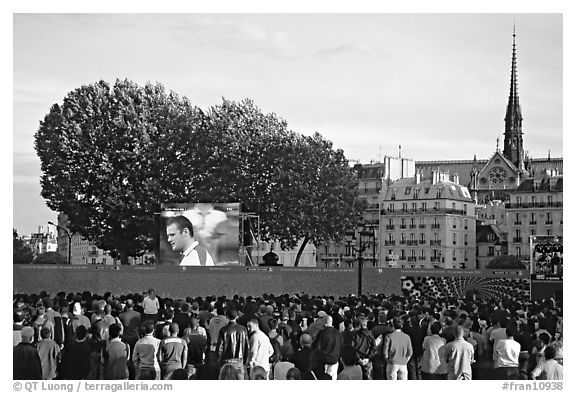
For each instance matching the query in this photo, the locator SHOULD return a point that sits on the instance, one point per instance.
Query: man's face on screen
(176, 238)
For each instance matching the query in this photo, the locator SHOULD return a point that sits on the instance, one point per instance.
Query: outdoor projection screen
(216, 227)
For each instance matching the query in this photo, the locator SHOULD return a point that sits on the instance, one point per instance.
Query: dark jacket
(363, 343)
(26, 362)
(232, 343)
(301, 359)
(76, 360)
(329, 342)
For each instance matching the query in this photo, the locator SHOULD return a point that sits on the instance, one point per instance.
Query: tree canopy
(50, 258)
(110, 155)
(22, 254)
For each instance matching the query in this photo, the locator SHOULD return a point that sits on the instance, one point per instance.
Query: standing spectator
(150, 305)
(78, 317)
(215, 324)
(351, 370)
(116, 355)
(97, 346)
(317, 369)
(26, 361)
(378, 333)
(49, 353)
(197, 343)
(260, 347)
(549, 369)
(182, 317)
(131, 321)
(397, 350)
(233, 346)
(173, 352)
(496, 333)
(458, 355)
(329, 342)
(76, 356)
(17, 326)
(162, 329)
(281, 368)
(364, 344)
(145, 356)
(302, 356)
(507, 354)
(431, 366)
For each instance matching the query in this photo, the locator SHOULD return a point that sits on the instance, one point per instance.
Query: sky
(436, 84)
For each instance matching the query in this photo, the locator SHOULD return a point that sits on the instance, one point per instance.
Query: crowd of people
(283, 337)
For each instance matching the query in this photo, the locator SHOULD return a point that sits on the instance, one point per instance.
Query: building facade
(535, 209)
(428, 223)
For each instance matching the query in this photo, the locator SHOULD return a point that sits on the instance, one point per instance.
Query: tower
(513, 141)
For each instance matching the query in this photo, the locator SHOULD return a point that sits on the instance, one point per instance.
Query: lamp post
(69, 240)
(364, 234)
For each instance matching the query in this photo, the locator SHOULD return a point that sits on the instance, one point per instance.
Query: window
(454, 205)
(393, 196)
(416, 193)
(423, 206)
(408, 190)
(465, 239)
(490, 251)
(518, 200)
(453, 255)
(436, 205)
(465, 223)
(518, 253)
(414, 208)
(93, 261)
(391, 207)
(453, 238)
(465, 209)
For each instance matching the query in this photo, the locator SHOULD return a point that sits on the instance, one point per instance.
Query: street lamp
(364, 242)
(69, 240)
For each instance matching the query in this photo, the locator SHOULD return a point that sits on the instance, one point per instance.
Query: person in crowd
(26, 362)
(258, 373)
(458, 355)
(233, 346)
(172, 353)
(215, 324)
(131, 321)
(49, 353)
(229, 372)
(145, 355)
(351, 370)
(365, 346)
(116, 355)
(151, 306)
(397, 350)
(302, 356)
(317, 370)
(293, 374)
(162, 329)
(182, 317)
(329, 342)
(260, 347)
(76, 357)
(179, 374)
(281, 368)
(549, 369)
(507, 355)
(431, 366)
(197, 343)
(17, 326)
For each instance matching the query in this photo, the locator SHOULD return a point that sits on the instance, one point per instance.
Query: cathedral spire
(513, 141)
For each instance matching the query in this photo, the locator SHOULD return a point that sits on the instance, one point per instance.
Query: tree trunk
(123, 257)
(297, 260)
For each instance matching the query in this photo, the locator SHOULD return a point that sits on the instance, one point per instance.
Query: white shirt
(507, 352)
(260, 350)
(191, 257)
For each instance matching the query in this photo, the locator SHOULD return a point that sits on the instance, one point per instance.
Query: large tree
(111, 155)
(22, 254)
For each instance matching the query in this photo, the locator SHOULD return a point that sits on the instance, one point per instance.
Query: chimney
(418, 177)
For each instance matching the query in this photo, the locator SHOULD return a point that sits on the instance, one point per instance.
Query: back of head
(148, 327)
(349, 356)
(258, 373)
(81, 332)
(46, 332)
(510, 331)
(458, 331)
(435, 328)
(306, 340)
(114, 330)
(329, 321)
(397, 323)
(549, 352)
(293, 374)
(174, 329)
(27, 334)
(232, 314)
(228, 372)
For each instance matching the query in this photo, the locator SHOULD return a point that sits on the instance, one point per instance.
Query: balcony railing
(435, 259)
(532, 222)
(412, 259)
(412, 242)
(517, 222)
(402, 258)
(389, 227)
(389, 242)
(435, 211)
(402, 241)
(93, 253)
(421, 258)
(524, 205)
(549, 222)
(517, 240)
(435, 242)
(421, 241)
(435, 226)
(412, 226)
(422, 226)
